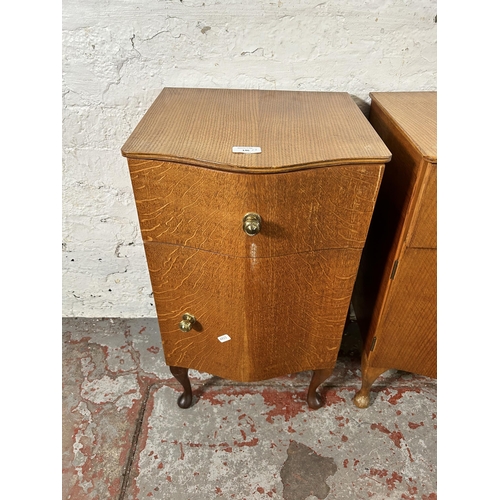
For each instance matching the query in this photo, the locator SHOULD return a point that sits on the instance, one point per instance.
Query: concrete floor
(124, 437)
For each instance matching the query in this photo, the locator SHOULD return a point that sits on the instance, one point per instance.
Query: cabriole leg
(368, 374)
(181, 374)
(314, 400)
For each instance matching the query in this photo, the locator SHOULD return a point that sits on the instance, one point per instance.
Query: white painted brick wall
(118, 55)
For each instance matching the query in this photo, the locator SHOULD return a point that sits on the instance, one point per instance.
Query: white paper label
(224, 338)
(247, 149)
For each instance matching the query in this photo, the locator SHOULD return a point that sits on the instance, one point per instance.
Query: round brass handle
(188, 320)
(252, 223)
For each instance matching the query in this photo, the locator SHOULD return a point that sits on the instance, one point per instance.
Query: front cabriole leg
(181, 374)
(314, 400)
(368, 375)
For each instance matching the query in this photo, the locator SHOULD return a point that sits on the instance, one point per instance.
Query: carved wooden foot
(369, 374)
(314, 400)
(181, 374)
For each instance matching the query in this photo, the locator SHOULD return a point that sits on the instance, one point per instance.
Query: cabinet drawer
(275, 310)
(305, 210)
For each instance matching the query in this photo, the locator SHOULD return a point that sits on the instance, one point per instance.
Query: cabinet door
(407, 334)
(282, 314)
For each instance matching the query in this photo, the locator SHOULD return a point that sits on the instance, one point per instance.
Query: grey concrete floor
(124, 437)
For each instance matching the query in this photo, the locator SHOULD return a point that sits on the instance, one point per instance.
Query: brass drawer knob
(252, 223)
(188, 320)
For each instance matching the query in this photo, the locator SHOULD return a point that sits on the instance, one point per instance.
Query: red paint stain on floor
(339, 419)
(223, 446)
(252, 442)
(153, 349)
(332, 398)
(391, 481)
(413, 425)
(212, 398)
(432, 496)
(395, 436)
(379, 472)
(114, 488)
(83, 340)
(286, 404)
(399, 394)
(409, 454)
(250, 422)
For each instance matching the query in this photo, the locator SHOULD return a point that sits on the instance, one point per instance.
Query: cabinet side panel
(391, 218)
(320, 208)
(407, 336)
(423, 234)
(282, 314)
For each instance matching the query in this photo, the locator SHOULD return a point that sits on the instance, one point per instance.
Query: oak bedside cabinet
(254, 208)
(395, 293)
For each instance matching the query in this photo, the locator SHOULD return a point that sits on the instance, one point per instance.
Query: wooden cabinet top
(294, 130)
(415, 114)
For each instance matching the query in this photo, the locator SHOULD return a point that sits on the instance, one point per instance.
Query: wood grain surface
(282, 296)
(407, 336)
(415, 115)
(283, 314)
(392, 218)
(395, 292)
(304, 210)
(423, 231)
(295, 130)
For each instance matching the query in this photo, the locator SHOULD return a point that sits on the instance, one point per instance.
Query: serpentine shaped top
(282, 130)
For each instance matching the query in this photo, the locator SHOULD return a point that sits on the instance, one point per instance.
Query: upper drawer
(304, 210)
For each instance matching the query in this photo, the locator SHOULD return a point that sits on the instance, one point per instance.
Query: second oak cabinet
(395, 293)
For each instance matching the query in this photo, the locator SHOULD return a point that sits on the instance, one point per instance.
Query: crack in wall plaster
(253, 52)
(154, 36)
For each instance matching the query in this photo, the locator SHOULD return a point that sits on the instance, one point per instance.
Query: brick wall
(118, 55)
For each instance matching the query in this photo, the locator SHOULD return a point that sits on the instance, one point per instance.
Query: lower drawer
(282, 314)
